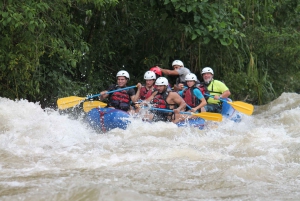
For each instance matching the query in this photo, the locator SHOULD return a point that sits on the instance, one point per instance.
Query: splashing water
(48, 156)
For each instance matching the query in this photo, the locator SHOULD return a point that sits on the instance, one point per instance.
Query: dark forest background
(60, 48)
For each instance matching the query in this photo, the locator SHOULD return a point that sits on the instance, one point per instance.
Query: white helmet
(162, 81)
(190, 76)
(123, 73)
(149, 75)
(177, 62)
(207, 70)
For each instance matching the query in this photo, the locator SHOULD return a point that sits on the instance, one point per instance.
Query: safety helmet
(156, 70)
(149, 75)
(162, 81)
(177, 62)
(123, 73)
(207, 70)
(190, 76)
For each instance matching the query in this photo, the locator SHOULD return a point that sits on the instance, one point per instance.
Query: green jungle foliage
(60, 48)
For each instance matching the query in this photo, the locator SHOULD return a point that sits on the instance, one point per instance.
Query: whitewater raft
(105, 119)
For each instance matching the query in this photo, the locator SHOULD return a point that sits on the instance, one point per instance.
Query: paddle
(88, 105)
(240, 106)
(204, 115)
(64, 103)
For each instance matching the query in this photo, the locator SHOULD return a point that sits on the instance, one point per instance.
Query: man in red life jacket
(192, 95)
(165, 99)
(121, 99)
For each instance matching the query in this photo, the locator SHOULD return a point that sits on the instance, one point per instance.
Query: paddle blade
(243, 107)
(209, 116)
(64, 103)
(87, 106)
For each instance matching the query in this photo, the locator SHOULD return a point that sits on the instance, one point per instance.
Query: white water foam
(48, 156)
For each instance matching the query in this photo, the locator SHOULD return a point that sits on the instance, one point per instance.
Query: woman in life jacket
(146, 91)
(121, 99)
(165, 99)
(216, 88)
(192, 95)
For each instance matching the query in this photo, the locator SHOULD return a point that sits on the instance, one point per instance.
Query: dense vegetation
(59, 48)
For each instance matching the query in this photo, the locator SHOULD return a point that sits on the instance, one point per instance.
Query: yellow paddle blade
(243, 107)
(209, 116)
(88, 105)
(64, 103)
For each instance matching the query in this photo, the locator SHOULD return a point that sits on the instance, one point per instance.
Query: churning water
(48, 156)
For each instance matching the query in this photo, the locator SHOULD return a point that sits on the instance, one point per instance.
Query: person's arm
(137, 95)
(103, 95)
(147, 101)
(222, 88)
(182, 72)
(151, 97)
(225, 94)
(177, 99)
(178, 87)
(169, 72)
(199, 96)
(201, 105)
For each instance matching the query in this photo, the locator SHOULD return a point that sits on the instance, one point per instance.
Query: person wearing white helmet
(178, 70)
(120, 99)
(192, 95)
(146, 91)
(165, 99)
(215, 88)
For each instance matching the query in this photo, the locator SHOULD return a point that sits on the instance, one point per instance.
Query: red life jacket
(144, 93)
(203, 89)
(189, 97)
(160, 100)
(120, 100)
(121, 96)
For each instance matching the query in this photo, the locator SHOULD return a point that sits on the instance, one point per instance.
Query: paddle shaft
(112, 91)
(221, 99)
(167, 110)
(205, 115)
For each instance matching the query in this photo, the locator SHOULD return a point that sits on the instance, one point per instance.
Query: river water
(48, 156)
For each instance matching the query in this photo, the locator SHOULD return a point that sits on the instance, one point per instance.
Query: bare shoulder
(174, 94)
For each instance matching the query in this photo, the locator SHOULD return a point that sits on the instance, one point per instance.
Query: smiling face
(121, 81)
(207, 77)
(190, 83)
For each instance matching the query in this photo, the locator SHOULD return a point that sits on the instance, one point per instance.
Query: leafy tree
(75, 47)
(40, 48)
